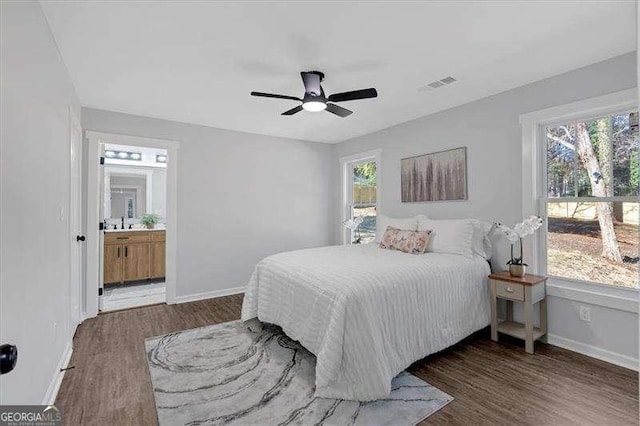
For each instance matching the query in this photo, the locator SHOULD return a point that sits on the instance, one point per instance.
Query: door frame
(94, 199)
(346, 170)
(76, 248)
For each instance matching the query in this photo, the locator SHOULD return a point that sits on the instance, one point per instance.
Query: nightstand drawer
(510, 291)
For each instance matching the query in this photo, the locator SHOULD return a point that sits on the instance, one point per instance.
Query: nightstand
(529, 290)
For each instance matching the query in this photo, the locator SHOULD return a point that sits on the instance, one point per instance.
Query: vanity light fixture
(161, 158)
(123, 155)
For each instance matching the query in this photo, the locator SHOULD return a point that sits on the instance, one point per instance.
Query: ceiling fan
(315, 100)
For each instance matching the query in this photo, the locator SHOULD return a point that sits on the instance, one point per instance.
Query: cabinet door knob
(80, 238)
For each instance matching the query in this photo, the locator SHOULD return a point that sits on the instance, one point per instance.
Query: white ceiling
(197, 62)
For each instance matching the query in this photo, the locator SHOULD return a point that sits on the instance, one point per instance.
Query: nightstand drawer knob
(510, 290)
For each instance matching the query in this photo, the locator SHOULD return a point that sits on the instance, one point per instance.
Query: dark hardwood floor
(492, 383)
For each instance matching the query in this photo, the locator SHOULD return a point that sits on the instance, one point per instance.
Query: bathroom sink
(134, 229)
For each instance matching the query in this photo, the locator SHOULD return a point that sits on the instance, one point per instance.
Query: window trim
(346, 166)
(533, 169)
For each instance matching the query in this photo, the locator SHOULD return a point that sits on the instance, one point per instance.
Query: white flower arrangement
(517, 233)
(353, 224)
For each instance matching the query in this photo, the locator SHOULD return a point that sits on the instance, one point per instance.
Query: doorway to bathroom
(134, 222)
(131, 260)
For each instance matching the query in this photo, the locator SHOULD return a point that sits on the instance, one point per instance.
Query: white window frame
(533, 202)
(346, 171)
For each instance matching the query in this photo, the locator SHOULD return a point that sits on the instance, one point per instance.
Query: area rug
(226, 374)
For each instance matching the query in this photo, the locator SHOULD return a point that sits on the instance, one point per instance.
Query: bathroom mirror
(128, 196)
(130, 192)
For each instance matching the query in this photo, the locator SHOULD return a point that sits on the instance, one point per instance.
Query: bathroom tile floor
(132, 295)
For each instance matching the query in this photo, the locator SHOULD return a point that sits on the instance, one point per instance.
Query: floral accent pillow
(413, 242)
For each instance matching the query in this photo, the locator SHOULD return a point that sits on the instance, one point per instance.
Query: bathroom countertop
(134, 230)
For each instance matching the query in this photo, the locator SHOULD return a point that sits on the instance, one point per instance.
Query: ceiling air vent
(439, 83)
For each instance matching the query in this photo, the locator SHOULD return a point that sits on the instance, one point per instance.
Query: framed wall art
(439, 176)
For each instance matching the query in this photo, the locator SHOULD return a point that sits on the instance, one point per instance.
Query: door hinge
(101, 226)
(102, 161)
(100, 292)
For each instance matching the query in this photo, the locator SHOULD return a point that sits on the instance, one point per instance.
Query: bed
(368, 313)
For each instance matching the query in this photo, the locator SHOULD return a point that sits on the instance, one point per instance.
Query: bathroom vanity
(133, 255)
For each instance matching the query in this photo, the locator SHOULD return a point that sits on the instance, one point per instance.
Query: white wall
(159, 192)
(490, 130)
(34, 194)
(241, 197)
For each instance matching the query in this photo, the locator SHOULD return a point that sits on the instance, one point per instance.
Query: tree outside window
(592, 205)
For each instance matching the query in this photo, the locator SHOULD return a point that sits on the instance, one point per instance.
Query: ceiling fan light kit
(314, 99)
(314, 106)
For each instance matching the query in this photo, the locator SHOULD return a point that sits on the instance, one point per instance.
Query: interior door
(75, 222)
(136, 262)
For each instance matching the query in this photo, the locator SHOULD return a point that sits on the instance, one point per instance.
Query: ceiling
(197, 62)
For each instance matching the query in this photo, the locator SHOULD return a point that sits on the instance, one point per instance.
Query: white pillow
(481, 244)
(454, 236)
(382, 221)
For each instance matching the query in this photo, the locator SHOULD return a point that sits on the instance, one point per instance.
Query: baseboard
(594, 352)
(56, 381)
(209, 294)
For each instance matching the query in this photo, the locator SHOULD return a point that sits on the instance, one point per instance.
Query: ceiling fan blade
(311, 83)
(271, 95)
(293, 110)
(338, 110)
(353, 95)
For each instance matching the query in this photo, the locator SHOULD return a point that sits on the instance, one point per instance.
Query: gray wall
(34, 194)
(490, 130)
(241, 197)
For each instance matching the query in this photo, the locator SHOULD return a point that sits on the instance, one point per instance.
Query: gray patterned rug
(226, 374)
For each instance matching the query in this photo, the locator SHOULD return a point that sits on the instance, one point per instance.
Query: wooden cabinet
(113, 264)
(157, 259)
(133, 256)
(136, 262)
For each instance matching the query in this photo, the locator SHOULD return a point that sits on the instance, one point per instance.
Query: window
(361, 180)
(590, 198)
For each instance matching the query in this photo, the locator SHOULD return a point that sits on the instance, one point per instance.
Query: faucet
(122, 226)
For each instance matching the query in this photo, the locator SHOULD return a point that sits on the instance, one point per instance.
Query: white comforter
(368, 313)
